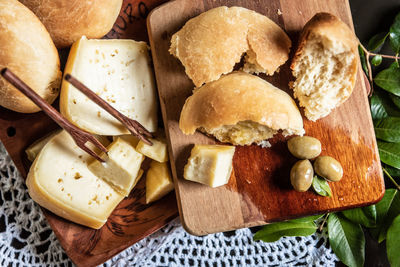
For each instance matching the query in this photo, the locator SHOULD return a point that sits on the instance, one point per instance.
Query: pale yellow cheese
(210, 164)
(118, 71)
(131, 139)
(121, 166)
(34, 149)
(158, 181)
(157, 151)
(60, 181)
(138, 177)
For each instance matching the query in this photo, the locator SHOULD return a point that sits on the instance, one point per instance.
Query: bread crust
(332, 28)
(238, 97)
(210, 44)
(26, 49)
(68, 20)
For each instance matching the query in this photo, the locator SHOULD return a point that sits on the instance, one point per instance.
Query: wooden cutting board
(132, 220)
(259, 190)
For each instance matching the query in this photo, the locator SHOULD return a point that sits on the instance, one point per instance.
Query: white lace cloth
(27, 240)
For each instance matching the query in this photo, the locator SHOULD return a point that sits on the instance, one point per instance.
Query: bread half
(210, 44)
(241, 109)
(325, 65)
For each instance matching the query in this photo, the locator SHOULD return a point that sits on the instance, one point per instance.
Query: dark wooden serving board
(259, 190)
(132, 220)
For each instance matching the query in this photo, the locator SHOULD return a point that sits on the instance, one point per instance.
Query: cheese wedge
(158, 181)
(60, 181)
(157, 151)
(210, 164)
(131, 139)
(118, 71)
(138, 177)
(34, 149)
(121, 166)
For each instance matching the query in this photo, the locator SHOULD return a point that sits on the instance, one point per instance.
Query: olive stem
(323, 222)
(391, 178)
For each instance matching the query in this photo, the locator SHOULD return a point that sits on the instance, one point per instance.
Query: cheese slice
(157, 151)
(60, 181)
(158, 181)
(121, 166)
(118, 71)
(210, 164)
(34, 149)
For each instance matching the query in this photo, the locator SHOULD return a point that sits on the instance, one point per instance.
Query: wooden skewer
(132, 125)
(80, 137)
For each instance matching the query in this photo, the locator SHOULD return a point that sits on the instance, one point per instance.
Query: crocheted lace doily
(27, 239)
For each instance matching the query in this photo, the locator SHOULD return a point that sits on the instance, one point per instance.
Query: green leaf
(394, 172)
(347, 240)
(393, 242)
(389, 79)
(388, 129)
(376, 42)
(389, 153)
(308, 219)
(365, 216)
(274, 231)
(395, 99)
(321, 186)
(394, 34)
(363, 60)
(376, 60)
(382, 106)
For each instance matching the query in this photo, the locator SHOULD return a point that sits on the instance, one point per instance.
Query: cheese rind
(210, 164)
(158, 181)
(121, 166)
(118, 71)
(157, 151)
(34, 149)
(60, 181)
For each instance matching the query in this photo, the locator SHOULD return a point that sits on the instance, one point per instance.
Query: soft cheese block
(158, 181)
(34, 149)
(121, 166)
(210, 164)
(157, 151)
(60, 181)
(118, 71)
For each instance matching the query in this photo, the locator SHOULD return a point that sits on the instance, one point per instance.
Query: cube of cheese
(118, 71)
(60, 181)
(158, 181)
(138, 177)
(130, 138)
(210, 164)
(34, 149)
(121, 166)
(157, 152)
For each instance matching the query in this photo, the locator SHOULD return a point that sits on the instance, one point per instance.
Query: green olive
(329, 168)
(301, 175)
(304, 147)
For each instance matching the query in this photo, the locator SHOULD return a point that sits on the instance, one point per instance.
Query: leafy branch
(382, 220)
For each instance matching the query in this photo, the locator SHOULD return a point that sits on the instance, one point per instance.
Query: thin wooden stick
(80, 137)
(132, 125)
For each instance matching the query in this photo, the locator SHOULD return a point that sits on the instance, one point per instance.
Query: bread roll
(26, 49)
(241, 109)
(325, 65)
(68, 20)
(210, 44)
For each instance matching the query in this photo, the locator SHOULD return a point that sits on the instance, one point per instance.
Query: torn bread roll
(325, 65)
(241, 109)
(67, 20)
(27, 50)
(210, 44)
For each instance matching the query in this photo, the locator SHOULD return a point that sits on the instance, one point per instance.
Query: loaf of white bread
(210, 44)
(325, 65)
(241, 109)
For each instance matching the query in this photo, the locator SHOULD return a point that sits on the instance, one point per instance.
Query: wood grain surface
(133, 219)
(259, 190)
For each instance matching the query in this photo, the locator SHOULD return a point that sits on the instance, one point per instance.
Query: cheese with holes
(157, 151)
(60, 181)
(210, 164)
(121, 166)
(158, 181)
(118, 71)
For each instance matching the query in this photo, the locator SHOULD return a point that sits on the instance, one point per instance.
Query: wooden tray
(259, 190)
(132, 220)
